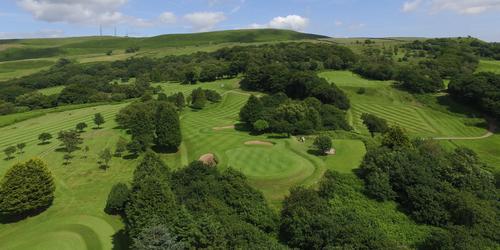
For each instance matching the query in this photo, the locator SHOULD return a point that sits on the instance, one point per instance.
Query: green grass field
(489, 66)
(400, 108)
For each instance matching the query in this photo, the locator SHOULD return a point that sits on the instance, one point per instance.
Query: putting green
(268, 162)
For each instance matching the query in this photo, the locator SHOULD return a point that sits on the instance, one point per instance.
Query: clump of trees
(452, 190)
(199, 97)
(479, 90)
(197, 206)
(151, 122)
(26, 189)
(280, 114)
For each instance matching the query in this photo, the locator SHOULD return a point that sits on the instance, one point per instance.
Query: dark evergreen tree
(168, 130)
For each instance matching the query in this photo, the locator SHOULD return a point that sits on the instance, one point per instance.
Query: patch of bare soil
(265, 143)
(209, 160)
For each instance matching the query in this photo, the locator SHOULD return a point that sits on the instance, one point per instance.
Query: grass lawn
(489, 66)
(401, 108)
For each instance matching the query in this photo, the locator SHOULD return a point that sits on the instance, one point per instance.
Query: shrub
(323, 143)
(27, 188)
(117, 199)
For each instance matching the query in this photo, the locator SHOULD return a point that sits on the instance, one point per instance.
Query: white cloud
(204, 21)
(466, 7)
(338, 23)
(105, 12)
(410, 6)
(167, 17)
(292, 22)
(36, 34)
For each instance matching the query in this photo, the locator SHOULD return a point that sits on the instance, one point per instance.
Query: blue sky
(339, 18)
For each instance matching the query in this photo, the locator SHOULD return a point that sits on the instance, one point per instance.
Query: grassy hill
(19, 57)
(42, 48)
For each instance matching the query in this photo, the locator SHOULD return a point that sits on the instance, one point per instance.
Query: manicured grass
(349, 154)
(487, 149)
(401, 108)
(76, 219)
(489, 66)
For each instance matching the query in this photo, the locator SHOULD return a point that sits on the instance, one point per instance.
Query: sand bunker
(331, 152)
(265, 143)
(222, 128)
(209, 160)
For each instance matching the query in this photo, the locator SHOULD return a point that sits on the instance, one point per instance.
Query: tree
(117, 199)
(70, 140)
(26, 189)
(252, 110)
(134, 147)
(105, 156)
(121, 146)
(168, 129)
(374, 124)
(157, 237)
(44, 138)
(198, 98)
(180, 101)
(21, 147)
(99, 120)
(260, 125)
(9, 151)
(323, 143)
(67, 158)
(81, 126)
(395, 137)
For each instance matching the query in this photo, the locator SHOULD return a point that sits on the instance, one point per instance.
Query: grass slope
(489, 66)
(399, 107)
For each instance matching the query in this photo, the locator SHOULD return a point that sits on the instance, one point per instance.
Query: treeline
(481, 90)
(451, 190)
(97, 82)
(280, 114)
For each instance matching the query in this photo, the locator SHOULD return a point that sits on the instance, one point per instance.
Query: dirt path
(492, 127)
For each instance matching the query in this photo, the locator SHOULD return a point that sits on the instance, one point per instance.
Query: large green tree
(168, 129)
(252, 110)
(27, 188)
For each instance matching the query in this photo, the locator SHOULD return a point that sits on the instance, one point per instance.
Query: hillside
(20, 49)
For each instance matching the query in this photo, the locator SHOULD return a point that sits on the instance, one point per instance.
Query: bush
(323, 143)
(117, 199)
(27, 188)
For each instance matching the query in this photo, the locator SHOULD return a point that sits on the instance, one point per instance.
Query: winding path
(492, 126)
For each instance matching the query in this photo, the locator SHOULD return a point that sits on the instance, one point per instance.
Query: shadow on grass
(164, 150)
(315, 152)
(131, 156)
(8, 219)
(9, 158)
(43, 143)
(121, 240)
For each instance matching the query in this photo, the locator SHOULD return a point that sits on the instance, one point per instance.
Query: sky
(336, 18)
